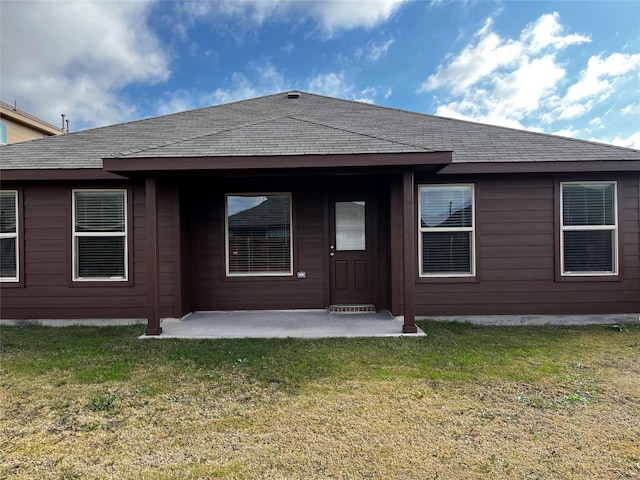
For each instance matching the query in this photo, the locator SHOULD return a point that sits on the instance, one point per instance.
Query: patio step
(351, 309)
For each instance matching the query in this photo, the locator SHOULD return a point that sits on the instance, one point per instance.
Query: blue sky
(570, 68)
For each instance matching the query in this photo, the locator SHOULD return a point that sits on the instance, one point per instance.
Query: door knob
(332, 254)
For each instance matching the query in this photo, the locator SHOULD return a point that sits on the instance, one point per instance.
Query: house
(299, 201)
(19, 126)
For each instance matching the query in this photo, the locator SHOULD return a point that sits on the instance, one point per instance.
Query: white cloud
(475, 62)
(547, 33)
(266, 80)
(598, 78)
(336, 84)
(632, 141)
(76, 57)
(567, 132)
(631, 109)
(331, 16)
(521, 83)
(595, 122)
(374, 51)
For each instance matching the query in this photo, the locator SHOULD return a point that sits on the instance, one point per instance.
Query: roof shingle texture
(312, 124)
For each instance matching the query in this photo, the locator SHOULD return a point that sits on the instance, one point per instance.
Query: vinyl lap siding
(49, 293)
(212, 290)
(517, 252)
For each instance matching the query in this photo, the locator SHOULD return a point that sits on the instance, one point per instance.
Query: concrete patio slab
(282, 324)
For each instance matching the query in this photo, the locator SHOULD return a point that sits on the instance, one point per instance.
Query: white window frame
(472, 229)
(76, 235)
(574, 228)
(226, 235)
(15, 236)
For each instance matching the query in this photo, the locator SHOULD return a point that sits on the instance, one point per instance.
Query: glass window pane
(588, 204)
(100, 211)
(589, 251)
(449, 206)
(3, 133)
(259, 234)
(350, 226)
(8, 257)
(100, 257)
(446, 252)
(7, 212)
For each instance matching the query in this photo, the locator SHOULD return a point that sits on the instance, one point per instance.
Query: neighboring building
(18, 126)
(298, 201)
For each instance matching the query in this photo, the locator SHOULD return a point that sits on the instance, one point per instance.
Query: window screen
(259, 234)
(99, 228)
(8, 236)
(446, 230)
(589, 228)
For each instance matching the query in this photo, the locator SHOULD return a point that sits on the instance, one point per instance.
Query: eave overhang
(58, 174)
(432, 161)
(541, 167)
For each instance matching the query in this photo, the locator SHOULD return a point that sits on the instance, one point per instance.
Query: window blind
(8, 235)
(589, 229)
(259, 235)
(446, 229)
(100, 234)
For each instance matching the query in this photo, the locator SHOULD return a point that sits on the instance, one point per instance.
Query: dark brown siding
(213, 290)
(517, 251)
(49, 293)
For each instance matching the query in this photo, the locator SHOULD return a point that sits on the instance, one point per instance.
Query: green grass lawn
(463, 402)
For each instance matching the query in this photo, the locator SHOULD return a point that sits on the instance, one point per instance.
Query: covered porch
(192, 231)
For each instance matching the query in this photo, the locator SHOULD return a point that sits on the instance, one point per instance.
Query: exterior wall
(517, 251)
(22, 126)
(18, 132)
(517, 248)
(46, 291)
(213, 290)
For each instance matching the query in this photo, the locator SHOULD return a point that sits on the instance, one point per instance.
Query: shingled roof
(310, 125)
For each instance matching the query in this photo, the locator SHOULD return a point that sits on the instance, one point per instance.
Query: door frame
(372, 232)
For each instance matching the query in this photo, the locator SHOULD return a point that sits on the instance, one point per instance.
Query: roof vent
(293, 95)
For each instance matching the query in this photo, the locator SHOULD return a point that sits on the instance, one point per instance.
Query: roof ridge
(342, 129)
(187, 139)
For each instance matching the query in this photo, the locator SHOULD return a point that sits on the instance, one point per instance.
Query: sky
(569, 68)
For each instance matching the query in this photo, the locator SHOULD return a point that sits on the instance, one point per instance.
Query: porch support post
(408, 253)
(153, 316)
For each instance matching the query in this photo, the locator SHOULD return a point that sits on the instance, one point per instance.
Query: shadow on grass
(450, 352)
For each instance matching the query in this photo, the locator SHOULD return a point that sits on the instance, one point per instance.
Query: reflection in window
(589, 230)
(350, 226)
(259, 234)
(446, 230)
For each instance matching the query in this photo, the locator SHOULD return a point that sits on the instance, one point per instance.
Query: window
(100, 235)
(258, 234)
(3, 134)
(589, 236)
(8, 236)
(350, 226)
(446, 231)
